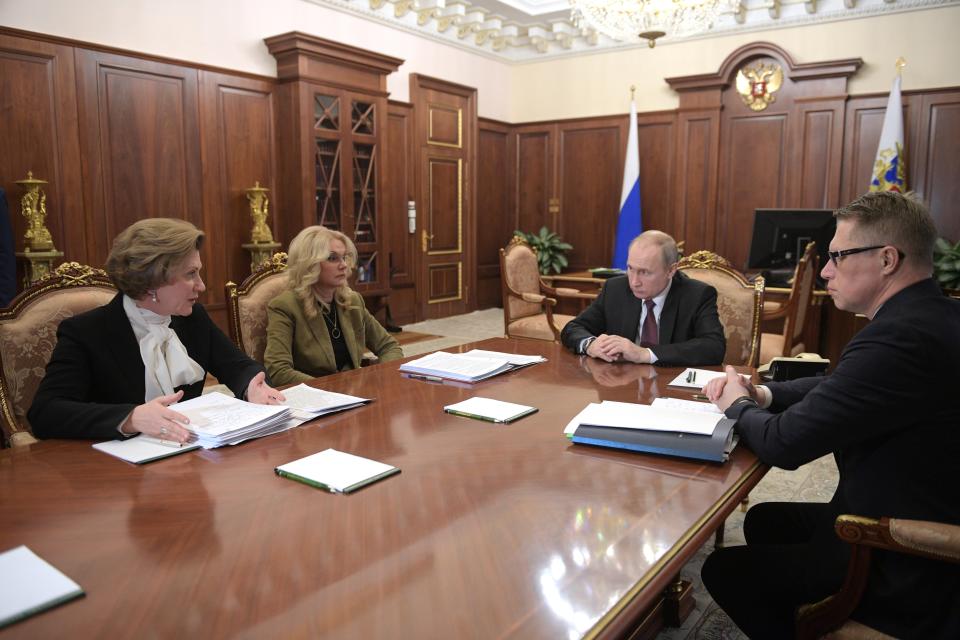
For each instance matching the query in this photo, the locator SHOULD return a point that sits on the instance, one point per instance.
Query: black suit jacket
(690, 331)
(889, 414)
(95, 376)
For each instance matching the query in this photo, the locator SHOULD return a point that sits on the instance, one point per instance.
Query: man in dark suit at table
(652, 315)
(889, 415)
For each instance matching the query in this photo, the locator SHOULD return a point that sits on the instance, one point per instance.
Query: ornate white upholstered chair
(28, 334)
(795, 311)
(527, 301)
(739, 303)
(247, 305)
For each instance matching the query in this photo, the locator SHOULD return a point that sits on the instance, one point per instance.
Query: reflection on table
(489, 531)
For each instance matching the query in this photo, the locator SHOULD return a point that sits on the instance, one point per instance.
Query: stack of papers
(490, 410)
(686, 405)
(472, 366)
(29, 585)
(216, 419)
(336, 471)
(516, 359)
(664, 429)
(627, 415)
(309, 402)
(695, 378)
(144, 448)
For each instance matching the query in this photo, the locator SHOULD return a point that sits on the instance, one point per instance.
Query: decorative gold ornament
(756, 84)
(33, 205)
(259, 210)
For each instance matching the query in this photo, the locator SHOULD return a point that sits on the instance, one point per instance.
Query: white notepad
(695, 378)
(336, 471)
(143, 449)
(29, 584)
(489, 410)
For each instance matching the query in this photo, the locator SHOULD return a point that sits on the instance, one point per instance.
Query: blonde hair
(305, 258)
(145, 253)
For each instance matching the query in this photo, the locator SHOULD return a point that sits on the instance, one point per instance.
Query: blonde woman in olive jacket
(319, 325)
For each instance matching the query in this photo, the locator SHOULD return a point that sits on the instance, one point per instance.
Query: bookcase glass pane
(326, 112)
(362, 117)
(364, 192)
(327, 166)
(367, 267)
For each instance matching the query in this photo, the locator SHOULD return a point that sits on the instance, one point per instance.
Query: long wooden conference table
(489, 531)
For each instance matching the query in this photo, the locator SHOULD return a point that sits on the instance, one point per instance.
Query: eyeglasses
(334, 258)
(836, 255)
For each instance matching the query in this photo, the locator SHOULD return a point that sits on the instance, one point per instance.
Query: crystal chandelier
(648, 19)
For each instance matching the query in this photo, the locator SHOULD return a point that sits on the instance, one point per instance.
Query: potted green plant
(946, 265)
(551, 249)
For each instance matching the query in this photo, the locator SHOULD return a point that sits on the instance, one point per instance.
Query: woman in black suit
(116, 369)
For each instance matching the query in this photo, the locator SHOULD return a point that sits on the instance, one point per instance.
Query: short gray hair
(668, 246)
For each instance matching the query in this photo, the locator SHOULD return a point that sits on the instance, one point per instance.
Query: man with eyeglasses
(888, 413)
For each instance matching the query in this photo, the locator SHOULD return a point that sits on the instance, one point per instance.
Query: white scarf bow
(166, 363)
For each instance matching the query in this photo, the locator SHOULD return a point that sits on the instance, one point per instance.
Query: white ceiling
(535, 30)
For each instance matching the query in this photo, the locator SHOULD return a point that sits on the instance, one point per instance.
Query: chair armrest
(537, 298)
(936, 540)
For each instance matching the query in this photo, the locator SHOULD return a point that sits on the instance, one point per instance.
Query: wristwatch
(586, 344)
(743, 400)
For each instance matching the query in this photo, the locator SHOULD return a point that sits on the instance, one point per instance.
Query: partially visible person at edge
(319, 325)
(116, 369)
(888, 413)
(652, 315)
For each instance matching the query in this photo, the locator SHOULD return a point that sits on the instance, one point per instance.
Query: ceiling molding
(537, 31)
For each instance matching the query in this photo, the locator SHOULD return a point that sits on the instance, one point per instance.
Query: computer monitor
(780, 236)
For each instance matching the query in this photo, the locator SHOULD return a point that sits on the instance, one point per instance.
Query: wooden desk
(490, 531)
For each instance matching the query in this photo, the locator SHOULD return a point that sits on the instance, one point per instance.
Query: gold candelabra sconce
(38, 250)
(261, 245)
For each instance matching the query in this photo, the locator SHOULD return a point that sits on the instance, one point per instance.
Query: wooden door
(446, 131)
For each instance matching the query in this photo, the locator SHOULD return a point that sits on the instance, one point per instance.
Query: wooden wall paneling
(295, 202)
(399, 188)
(864, 119)
(495, 208)
(937, 159)
(140, 144)
(40, 133)
(697, 149)
(752, 174)
(773, 156)
(237, 150)
(591, 158)
(446, 137)
(656, 135)
(536, 191)
(818, 131)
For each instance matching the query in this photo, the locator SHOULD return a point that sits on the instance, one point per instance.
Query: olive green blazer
(299, 348)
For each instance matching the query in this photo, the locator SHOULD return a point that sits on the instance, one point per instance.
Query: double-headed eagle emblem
(756, 84)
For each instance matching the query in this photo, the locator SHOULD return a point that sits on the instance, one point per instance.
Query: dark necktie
(649, 336)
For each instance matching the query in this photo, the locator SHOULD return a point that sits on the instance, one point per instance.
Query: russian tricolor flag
(628, 224)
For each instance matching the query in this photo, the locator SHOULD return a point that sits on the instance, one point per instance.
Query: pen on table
(700, 396)
(417, 376)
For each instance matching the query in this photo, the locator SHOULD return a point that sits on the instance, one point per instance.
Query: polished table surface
(489, 531)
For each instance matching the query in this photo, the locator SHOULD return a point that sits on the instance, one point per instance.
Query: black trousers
(792, 557)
